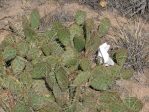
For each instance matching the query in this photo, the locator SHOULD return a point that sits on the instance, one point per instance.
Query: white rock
(104, 56)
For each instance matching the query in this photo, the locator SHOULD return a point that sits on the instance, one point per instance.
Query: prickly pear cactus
(79, 43)
(29, 33)
(89, 27)
(101, 79)
(21, 107)
(33, 53)
(2, 68)
(62, 33)
(35, 19)
(81, 78)
(75, 30)
(62, 78)
(18, 64)
(70, 57)
(10, 40)
(56, 70)
(9, 53)
(22, 48)
(51, 80)
(121, 56)
(104, 27)
(12, 84)
(85, 64)
(26, 79)
(39, 88)
(80, 17)
(40, 70)
(38, 102)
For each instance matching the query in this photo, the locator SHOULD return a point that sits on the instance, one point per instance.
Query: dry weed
(132, 37)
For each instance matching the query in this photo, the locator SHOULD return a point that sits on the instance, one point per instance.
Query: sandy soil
(18, 8)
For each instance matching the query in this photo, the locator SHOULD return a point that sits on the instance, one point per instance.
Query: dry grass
(129, 7)
(132, 37)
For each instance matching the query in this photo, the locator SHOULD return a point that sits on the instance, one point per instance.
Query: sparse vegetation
(136, 41)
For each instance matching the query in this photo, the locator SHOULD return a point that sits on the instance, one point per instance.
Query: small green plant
(53, 71)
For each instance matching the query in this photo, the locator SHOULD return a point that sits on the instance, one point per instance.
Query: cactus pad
(40, 70)
(62, 78)
(22, 48)
(35, 19)
(80, 17)
(79, 43)
(104, 27)
(82, 77)
(18, 64)
(101, 79)
(9, 53)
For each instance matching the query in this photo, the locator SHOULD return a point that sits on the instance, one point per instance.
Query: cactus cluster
(53, 71)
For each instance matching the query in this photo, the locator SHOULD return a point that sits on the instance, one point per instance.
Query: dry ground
(13, 10)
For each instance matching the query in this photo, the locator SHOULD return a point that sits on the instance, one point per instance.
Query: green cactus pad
(51, 48)
(51, 107)
(51, 34)
(26, 79)
(79, 43)
(89, 27)
(12, 84)
(35, 19)
(52, 61)
(62, 33)
(39, 87)
(34, 53)
(80, 17)
(82, 77)
(2, 68)
(37, 60)
(46, 49)
(75, 30)
(93, 44)
(104, 27)
(62, 78)
(9, 53)
(85, 64)
(101, 79)
(18, 65)
(29, 33)
(61, 97)
(38, 102)
(51, 80)
(70, 57)
(22, 48)
(55, 49)
(121, 56)
(21, 107)
(40, 70)
(29, 67)
(8, 41)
